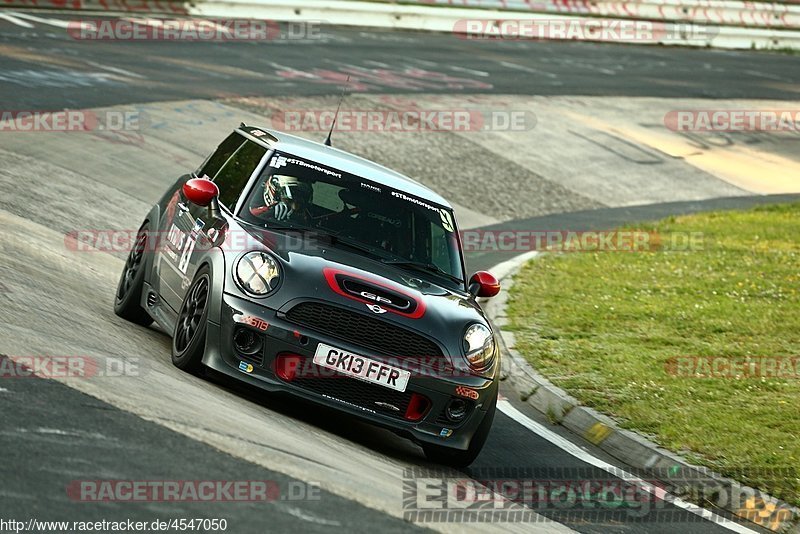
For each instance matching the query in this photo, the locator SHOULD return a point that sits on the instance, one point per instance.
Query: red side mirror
(484, 284)
(200, 191)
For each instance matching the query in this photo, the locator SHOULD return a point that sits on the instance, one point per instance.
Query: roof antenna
(333, 124)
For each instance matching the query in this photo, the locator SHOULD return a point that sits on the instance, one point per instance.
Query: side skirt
(159, 310)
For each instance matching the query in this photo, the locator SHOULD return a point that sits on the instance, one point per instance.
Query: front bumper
(346, 394)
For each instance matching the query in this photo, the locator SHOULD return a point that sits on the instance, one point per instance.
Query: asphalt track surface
(165, 425)
(181, 70)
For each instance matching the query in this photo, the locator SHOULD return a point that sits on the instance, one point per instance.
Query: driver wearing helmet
(286, 198)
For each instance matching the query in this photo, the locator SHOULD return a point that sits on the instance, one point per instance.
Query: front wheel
(127, 302)
(457, 458)
(189, 336)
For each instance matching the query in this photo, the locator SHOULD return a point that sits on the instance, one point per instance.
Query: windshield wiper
(272, 225)
(333, 237)
(424, 266)
(336, 240)
(326, 234)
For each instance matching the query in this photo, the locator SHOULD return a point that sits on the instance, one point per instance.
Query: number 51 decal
(186, 253)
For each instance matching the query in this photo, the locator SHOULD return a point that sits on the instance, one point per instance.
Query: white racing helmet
(281, 188)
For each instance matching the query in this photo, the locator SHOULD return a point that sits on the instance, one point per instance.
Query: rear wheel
(127, 303)
(457, 458)
(189, 337)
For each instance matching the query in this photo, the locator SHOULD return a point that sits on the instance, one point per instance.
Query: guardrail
(453, 20)
(433, 15)
(177, 7)
(718, 12)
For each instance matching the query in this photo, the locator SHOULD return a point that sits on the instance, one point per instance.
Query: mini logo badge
(374, 308)
(246, 367)
(376, 298)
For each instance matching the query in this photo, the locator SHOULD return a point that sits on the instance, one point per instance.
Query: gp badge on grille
(379, 295)
(372, 296)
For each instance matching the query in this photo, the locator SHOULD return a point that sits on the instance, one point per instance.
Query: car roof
(342, 161)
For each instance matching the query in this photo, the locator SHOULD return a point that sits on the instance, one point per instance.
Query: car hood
(315, 269)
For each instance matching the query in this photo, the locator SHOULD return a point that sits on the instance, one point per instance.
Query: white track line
(530, 70)
(14, 20)
(470, 71)
(52, 22)
(567, 446)
(116, 70)
(75, 24)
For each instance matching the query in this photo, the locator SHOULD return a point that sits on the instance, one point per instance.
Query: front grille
(363, 330)
(357, 392)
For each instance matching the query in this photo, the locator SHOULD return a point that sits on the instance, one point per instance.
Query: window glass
(362, 216)
(233, 177)
(440, 255)
(327, 196)
(215, 161)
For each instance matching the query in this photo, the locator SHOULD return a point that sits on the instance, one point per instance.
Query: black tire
(189, 336)
(457, 458)
(127, 301)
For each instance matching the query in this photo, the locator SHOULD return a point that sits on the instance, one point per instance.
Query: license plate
(360, 367)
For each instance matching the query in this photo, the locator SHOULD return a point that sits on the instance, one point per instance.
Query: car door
(173, 258)
(193, 222)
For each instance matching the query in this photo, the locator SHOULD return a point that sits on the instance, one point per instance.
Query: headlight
(258, 273)
(479, 346)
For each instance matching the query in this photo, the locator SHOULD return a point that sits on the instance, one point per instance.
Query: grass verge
(633, 334)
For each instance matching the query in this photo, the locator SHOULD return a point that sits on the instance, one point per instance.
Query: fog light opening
(246, 341)
(456, 409)
(417, 407)
(286, 366)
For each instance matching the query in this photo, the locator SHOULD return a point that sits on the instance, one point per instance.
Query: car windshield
(368, 218)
